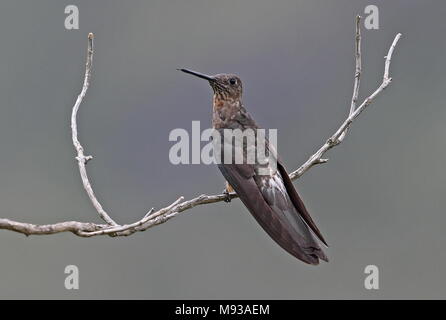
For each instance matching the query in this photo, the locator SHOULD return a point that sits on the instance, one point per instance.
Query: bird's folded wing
(284, 226)
(298, 203)
(291, 190)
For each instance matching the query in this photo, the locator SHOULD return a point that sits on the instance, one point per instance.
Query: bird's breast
(224, 112)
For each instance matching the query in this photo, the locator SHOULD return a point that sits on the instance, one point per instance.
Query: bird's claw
(227, 198)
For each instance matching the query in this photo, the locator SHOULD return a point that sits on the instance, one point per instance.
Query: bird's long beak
(198, 74)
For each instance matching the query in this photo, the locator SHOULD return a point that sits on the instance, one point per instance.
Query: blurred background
(379, 200)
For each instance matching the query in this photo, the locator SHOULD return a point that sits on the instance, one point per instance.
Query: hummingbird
(269, 195)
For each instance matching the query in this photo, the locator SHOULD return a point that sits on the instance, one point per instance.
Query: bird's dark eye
(233, 81)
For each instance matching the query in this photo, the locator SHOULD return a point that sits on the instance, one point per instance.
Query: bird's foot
(227, 198)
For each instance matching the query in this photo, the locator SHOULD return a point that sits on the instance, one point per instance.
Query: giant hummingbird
(270, 197)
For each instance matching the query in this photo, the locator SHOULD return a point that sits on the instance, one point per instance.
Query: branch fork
(155, 217)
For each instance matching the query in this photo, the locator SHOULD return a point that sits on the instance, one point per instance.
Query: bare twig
(152, 218)
(81, 158)
(358, 70)
(334, 139)
(358, 64)
(67, 226)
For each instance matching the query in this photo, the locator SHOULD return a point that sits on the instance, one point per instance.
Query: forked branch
(155, 217)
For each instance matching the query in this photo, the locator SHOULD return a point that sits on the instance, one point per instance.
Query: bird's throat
(225, 110)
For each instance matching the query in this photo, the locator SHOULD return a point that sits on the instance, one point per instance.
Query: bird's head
(227, 86)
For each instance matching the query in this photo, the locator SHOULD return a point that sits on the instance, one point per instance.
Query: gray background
(380, 199)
